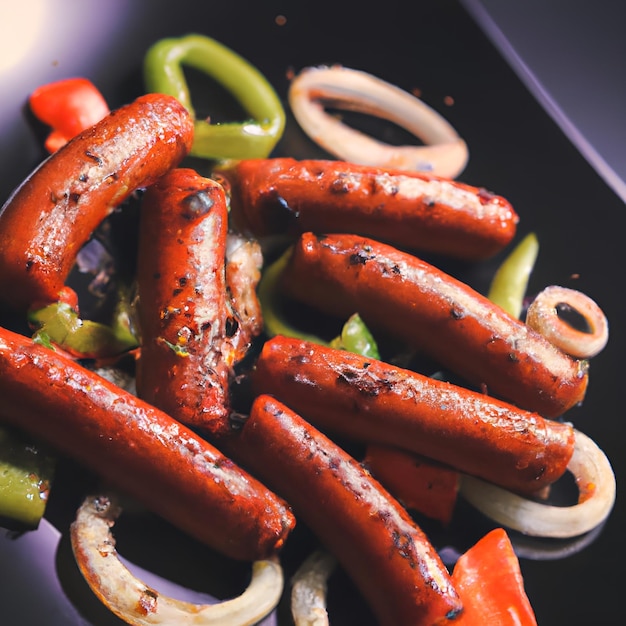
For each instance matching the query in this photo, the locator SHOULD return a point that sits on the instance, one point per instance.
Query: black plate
(516, 150)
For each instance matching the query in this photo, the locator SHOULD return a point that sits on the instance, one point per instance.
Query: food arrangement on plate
(265, 363)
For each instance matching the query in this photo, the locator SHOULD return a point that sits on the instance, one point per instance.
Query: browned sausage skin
(53, 213)
(197, 310)
(372, 401)
(387, 555)
(399, 294)
(140, 450)
(185, 356)
(412, 210)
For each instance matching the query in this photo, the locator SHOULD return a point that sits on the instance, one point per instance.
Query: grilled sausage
(387, 555)
(399, 294)
(140, 450)
(372, 401)
(54, 211)
(411, 210)
(186, 356)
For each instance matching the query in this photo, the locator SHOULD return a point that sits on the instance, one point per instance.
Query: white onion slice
(308, 591)
(136, 603)
(543, 317)
(445, 153)
(596, 482)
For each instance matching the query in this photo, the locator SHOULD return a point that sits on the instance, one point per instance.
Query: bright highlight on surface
(21, 24)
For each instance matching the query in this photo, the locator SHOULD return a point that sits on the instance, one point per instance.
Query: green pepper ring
(254, 138)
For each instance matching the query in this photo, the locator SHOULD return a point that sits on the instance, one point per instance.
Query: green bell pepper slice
(356, 337)
(59, 324)
(253, 138)
(509, 284)
(26, 472)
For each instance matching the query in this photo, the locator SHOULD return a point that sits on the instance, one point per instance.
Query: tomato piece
(489, 581)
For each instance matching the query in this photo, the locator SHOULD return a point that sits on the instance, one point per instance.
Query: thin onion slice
(543, 317)
(136, 603)
(596, 484)
(309, 587)
(445, 153)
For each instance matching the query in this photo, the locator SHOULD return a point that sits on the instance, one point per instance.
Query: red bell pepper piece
(419, 483)
(489, 581)
(68, 106)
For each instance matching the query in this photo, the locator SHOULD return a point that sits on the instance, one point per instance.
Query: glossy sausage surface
(387, 555)
(140, 450)
(411, 210)
(54, 211)
(403, 296)
(186, 354)
(371, 401)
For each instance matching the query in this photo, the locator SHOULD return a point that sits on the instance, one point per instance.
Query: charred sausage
(54, 211)
(401, 295)
(387, 555)
(411, 210)
(372, 401)
(140, 450)
(186, 355)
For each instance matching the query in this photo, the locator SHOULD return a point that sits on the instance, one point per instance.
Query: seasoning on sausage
(390, 559)
(399, 294)
(140, 450)
(411, 210)
(185, 359)
(372, 401)
(54, 211)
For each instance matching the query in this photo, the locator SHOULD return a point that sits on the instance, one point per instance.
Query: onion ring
(308, 592)
(542, 316)
(136, 603)
(596, 484)
(445, 153)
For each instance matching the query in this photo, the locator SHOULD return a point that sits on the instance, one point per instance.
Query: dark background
(572, 55)
(565, 56)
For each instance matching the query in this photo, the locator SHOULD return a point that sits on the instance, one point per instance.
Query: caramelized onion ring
(543, 317)
(308, 591)
(596, 483)
(136, 603)
(445, 153)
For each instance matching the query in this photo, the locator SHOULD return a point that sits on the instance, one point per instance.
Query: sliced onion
(543, 317)
(596, 484)
(309, 587)
(136, 603)
(445, 153)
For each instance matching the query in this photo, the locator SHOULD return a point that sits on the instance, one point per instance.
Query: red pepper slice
(68, 106)
(419, 483)
(489, 581)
